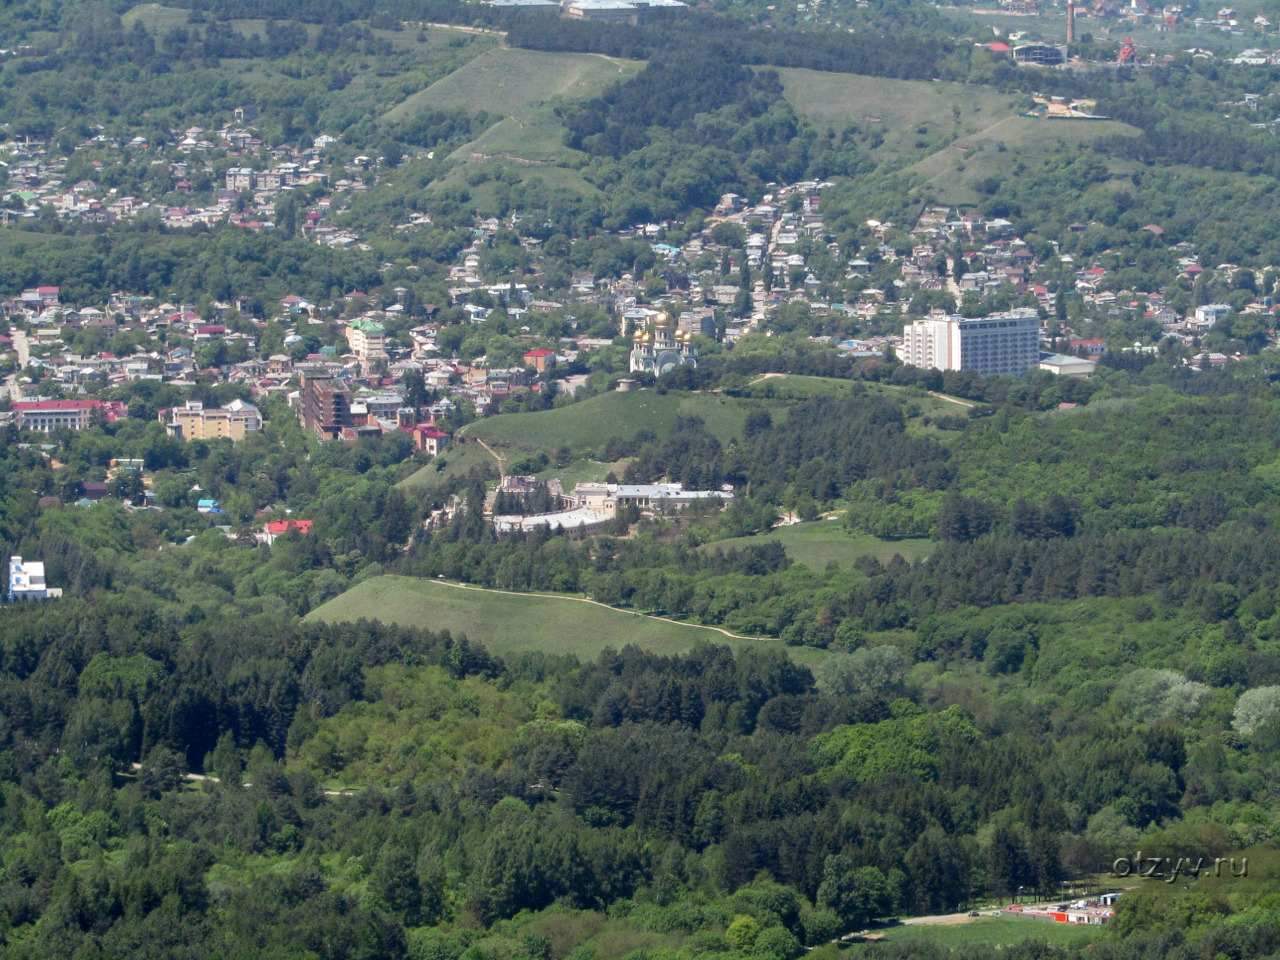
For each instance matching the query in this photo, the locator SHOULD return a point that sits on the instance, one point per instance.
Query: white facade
(26, 581)
(1002, 344)
(1208, 314)
(927, 344)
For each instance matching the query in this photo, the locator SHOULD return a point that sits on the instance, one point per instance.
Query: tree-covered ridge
(405, 794)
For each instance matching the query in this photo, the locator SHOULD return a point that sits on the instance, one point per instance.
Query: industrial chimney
(1071, 23)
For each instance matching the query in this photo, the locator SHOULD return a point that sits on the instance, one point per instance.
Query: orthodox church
(661, 347)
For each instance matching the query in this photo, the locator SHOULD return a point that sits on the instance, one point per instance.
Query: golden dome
(662, 320)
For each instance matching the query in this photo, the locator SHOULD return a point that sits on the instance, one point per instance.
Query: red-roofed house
(540, 360)
(429, 439)
(280, 527)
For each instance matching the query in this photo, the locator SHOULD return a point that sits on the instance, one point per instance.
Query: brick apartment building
(324, 405)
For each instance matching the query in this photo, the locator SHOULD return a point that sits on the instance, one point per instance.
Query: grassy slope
(507, 81)
(792, 388)
(592, 422)
(951, 172)
(522, 86)
(948, 135)
(507, 623)
(816, 544)
(457, 461)
(156, 17)
(993, 932)
(842, 99)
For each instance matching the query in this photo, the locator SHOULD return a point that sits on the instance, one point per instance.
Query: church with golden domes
(660, 347)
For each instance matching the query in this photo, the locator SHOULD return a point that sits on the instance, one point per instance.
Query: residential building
(26, 581)
(194, 421)
(429, 439)
(368, 340)
(279, 528)
(324, 405)
(241, 178)
(1208, 314)
(1002, 344)
(540, 360)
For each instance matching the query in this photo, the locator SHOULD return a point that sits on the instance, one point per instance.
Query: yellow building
(367, 339)
(193, 422)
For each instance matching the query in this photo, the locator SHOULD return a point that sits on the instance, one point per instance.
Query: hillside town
(748, 266)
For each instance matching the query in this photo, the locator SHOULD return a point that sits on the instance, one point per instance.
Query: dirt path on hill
(594, 603)
(502, 462)
(943, 396)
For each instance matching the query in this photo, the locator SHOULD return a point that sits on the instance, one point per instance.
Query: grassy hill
(523, 87)
(157, 18)
(507, 623)
(823, 541)
(950, 173)
(590, 424)
(508, 81)
(898, 109)
(457, 461)
(947, 135)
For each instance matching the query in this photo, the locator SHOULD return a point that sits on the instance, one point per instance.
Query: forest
(1078, 668)
(1039, 630)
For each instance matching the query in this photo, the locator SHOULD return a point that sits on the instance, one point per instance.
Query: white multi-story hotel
(1007, 343)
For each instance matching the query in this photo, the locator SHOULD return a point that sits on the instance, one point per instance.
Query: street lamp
(1019, 899)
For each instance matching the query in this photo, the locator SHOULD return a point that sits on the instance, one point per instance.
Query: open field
(898, 109)
(582, 471)
(157, 18)
(991, 932)
(947, 135)
(821, 542)
(508, 623)
(507, 81)
(536, 139)
(522, 86)
(950, 173)
(540, 172)
(484, 196)
(790, 387)
(591, 423)
(844, 98)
